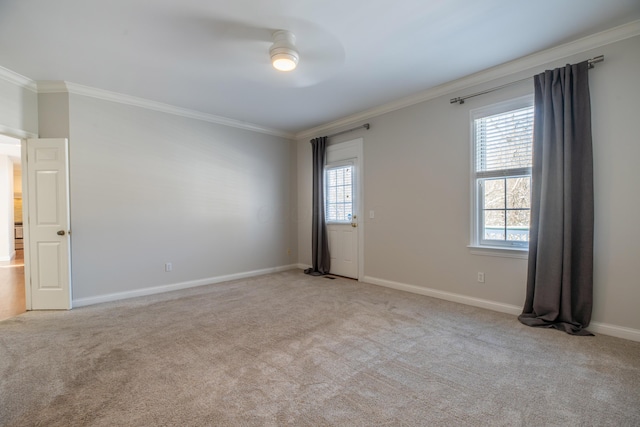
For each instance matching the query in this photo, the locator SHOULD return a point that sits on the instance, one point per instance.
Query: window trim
(479, 246)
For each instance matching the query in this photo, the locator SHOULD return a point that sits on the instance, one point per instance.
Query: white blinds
(339, 194)
(504, 142)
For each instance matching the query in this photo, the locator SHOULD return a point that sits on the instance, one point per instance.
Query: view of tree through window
(507, 207)
(503, 174)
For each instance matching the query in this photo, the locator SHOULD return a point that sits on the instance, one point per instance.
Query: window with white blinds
(504, 142)
(339, 194)
(503, 157)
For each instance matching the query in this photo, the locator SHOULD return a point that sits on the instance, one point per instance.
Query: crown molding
(76, 89)
(52, 86)
(18, 79)
(17, 133)
(524, 63)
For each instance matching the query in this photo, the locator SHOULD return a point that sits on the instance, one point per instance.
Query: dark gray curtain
(560, 275)
(320, 249)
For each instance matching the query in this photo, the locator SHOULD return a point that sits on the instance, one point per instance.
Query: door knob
(61, 233)
(354, 225)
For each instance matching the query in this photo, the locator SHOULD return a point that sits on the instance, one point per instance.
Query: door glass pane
(338, 194)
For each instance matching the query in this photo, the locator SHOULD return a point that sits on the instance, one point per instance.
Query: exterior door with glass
(341, 216)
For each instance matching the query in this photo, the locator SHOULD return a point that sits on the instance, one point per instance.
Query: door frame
(26, 247)
(350, 150)
(23, 136)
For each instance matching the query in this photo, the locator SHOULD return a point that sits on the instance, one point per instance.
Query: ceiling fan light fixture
(284, 61)
(284, 56)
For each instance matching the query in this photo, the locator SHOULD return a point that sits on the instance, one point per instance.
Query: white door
(341, 209)
(48, 224)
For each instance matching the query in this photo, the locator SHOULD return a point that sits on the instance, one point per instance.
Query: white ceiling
(212, 55)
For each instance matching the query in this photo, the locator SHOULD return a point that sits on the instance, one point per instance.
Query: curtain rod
(366, 126)
(461, 99)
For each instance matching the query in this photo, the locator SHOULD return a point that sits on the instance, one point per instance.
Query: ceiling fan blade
(241, 48)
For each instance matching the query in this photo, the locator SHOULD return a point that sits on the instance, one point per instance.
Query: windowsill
(499, 251)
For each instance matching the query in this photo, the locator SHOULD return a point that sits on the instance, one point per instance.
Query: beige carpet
(289, 349)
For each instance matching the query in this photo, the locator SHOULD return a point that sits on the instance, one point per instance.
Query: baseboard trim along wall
(83, 302)
(448, 296)
(595, 327)
(9, 257)
(615, 331)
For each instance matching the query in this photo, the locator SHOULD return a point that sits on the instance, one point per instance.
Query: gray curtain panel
(560, 275)
(319, 240)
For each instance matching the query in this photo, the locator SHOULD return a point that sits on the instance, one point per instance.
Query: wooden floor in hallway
(12, 297)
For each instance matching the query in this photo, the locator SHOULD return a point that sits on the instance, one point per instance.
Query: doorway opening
(12, 277)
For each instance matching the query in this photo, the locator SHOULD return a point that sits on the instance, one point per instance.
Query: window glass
(502, 144)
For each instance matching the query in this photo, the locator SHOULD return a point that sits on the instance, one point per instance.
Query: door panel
(49, 255)
(343, 244)
(48, 222)
(47, 209)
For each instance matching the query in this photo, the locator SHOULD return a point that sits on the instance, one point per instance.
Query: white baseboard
(83, 302)
(8, 257)
(304, 266)
(596, 327)
(615, 331)
(448, 296)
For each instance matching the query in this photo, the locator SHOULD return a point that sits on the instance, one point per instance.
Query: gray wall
(417, 180)
(149, 187)
(53, 113)
(18, 109)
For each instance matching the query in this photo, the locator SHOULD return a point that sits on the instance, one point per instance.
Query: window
(339, 193)
(502, 153)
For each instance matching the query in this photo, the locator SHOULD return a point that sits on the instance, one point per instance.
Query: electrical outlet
(168, 267)
(480, 277)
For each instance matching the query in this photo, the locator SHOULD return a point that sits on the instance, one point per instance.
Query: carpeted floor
(289, 349)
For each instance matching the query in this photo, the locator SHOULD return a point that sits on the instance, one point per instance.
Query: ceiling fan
(313, 54)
